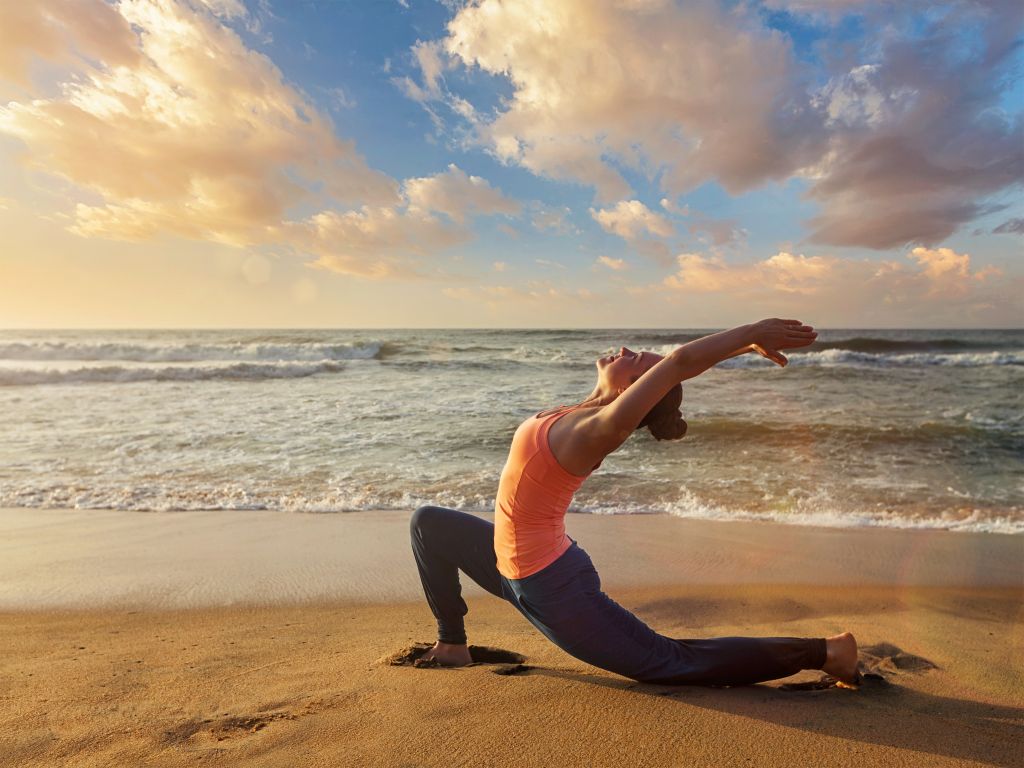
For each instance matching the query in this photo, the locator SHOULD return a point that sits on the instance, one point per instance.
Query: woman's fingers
(777, 333)
(770, 354)
(791, 325)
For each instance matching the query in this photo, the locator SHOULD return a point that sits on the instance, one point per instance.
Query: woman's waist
(566, 566)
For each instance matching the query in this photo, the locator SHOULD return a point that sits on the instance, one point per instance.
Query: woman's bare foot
(841, 657)
(448, 654)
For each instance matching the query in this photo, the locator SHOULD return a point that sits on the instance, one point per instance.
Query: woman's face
(621, 369)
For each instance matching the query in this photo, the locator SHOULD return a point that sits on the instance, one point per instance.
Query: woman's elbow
(681, 358)
(686, 363)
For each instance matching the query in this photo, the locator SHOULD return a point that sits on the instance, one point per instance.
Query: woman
(526, 557)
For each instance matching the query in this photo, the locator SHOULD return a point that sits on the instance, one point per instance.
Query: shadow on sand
(877, 713)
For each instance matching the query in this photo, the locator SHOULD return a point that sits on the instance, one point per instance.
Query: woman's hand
(772, 335)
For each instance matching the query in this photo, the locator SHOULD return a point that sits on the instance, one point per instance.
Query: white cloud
(228, 9)
(430, 58)
(631, 219)
(456, 194)
(552, 219)
(614, 264)
(824, 9)
(672, 207)
(339, 99)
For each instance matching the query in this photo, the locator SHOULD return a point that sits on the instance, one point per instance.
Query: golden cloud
(719, 99)
(455, 194)
(170, 124)
(631, 219)
(935, 283)
(62, 32)
(375, 242)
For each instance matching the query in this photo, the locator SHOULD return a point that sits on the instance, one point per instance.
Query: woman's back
(533, 496)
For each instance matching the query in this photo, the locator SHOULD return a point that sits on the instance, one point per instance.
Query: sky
(517, 163)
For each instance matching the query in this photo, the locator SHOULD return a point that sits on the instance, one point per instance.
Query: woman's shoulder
(572, 445)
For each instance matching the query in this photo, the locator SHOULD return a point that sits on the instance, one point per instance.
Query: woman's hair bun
(665, 420)
(670, 427)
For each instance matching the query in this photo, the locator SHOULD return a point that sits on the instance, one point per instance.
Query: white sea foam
(113, 374)
(186, 352)
(821, 515)
(340, 500)
(835, 358)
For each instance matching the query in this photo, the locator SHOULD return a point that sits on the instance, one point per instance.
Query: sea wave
(117, 374)
(922, 433)
(878, 344)
(833, 358)
(193, 352)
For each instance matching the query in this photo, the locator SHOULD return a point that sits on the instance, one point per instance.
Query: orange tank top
(533, 496)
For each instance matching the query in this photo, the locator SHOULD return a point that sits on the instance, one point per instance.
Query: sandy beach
(237, 638)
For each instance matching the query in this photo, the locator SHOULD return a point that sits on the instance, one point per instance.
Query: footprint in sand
(510, 662)
(228, 726)
(875, 666)
(222, 728)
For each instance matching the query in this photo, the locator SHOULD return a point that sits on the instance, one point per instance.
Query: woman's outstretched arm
(766, 337)
(619, 419)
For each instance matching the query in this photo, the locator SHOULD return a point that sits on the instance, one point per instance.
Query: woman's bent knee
(422, 517)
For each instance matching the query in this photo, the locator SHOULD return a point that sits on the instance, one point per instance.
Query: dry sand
(243, 647)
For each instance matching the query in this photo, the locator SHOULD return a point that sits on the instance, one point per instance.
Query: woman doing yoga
(526, 558)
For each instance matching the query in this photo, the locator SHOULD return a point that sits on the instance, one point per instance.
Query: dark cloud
(919, 141)
(1010, 227)
(720, 232)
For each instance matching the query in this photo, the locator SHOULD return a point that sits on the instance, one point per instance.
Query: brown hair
(665, 420)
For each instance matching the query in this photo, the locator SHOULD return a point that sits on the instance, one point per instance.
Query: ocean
(895, 428)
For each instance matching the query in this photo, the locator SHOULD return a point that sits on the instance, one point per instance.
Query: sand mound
(481, 654)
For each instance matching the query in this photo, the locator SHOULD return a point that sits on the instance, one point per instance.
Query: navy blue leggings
(565, 602)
